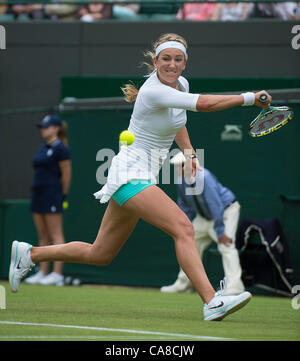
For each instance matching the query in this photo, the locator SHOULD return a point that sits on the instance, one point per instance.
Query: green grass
(264, 318)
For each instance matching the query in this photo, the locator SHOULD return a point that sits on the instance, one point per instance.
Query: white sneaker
(52, 279)
(221, 306)
(20, 263)
(35, 279)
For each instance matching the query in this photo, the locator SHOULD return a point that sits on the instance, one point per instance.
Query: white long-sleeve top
(158, 114)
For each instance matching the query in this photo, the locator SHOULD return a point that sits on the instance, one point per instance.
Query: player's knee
(184, 231)
(101, 259)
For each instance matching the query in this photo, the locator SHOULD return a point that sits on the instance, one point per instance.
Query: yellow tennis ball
(126, 137)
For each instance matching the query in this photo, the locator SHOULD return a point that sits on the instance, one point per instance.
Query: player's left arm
(183, 141)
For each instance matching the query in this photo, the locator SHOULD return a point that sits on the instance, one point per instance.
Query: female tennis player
(159, 117)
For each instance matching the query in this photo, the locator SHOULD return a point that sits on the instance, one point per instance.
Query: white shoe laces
(24, 271)
(220, 292)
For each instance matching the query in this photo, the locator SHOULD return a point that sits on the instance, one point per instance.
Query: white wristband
(249, 99)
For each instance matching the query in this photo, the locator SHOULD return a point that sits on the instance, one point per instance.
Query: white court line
(180, 335)
(90, 337)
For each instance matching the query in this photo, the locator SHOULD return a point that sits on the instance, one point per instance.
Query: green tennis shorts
(129, 190)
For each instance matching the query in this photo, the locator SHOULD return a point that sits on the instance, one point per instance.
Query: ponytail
(130, 92)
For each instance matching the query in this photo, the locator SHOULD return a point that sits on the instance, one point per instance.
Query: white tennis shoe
(20, 263)
(221, 306)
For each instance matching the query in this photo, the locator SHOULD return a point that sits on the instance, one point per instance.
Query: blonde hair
(63, 133)
(130, 91)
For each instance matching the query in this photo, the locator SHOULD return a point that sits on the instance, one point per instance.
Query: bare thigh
(116, 226)
(158, 209)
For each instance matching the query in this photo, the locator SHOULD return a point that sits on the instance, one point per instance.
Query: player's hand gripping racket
(269, 119)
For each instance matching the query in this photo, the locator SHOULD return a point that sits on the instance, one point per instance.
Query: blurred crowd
(229, 11)
(239, 11)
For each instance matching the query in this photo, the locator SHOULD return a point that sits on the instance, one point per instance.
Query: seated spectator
(290, 10)
(125, 11)
(233, 11)
(283, 10)
(95, 12)
(295, 14)
(30, 11)
(35, 11)
(196, 12)
(62, 11)
(3, 8)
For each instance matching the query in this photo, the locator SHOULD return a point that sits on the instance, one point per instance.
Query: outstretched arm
(212, 103)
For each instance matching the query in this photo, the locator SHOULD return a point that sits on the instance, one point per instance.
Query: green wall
(109, 86)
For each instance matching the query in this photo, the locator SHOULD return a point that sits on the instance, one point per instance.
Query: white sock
(29, 258)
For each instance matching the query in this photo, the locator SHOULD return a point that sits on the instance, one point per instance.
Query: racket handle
(264, 98)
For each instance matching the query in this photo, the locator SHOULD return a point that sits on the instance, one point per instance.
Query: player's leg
(156, 208)
(182, 283)
(116, 226)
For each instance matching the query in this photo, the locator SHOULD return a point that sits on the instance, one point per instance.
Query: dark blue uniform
(47, 194)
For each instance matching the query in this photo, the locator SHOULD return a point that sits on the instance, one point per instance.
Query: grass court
(105, 313)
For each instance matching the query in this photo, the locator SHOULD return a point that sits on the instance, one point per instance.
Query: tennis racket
(269, 119)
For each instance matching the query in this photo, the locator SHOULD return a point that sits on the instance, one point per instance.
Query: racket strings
(269, 120)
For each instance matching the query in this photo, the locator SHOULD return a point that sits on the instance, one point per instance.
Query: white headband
(170, 44)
